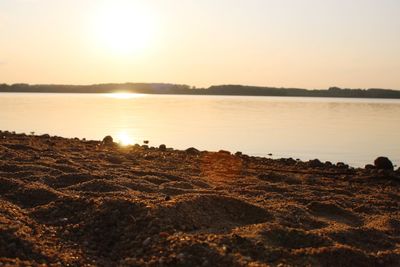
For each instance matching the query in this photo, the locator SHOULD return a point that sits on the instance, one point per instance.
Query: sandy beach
(71, 202)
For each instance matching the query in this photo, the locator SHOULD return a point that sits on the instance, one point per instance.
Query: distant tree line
(181, 89)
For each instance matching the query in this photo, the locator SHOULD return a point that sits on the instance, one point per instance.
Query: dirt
(71, 202)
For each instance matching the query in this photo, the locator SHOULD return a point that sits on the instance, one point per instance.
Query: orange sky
(289, 43)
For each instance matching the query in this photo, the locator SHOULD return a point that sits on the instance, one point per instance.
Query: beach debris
(192, 151)
(162, 147)
(383, 163)
(107, 141)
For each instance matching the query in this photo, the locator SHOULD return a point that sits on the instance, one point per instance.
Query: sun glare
(123, 27)
(124, 95)
(124, 139)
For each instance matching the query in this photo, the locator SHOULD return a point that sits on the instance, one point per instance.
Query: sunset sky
(288, 43)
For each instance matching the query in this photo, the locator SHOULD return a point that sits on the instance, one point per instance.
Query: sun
(123, 27)
(124, 139)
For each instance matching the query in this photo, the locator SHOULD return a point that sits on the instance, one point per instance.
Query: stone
(146, 241)
(369, 167)
(238, 154)
(162, 147)
(315, 163)
(383, 163)
(342, 165)
(192, 151)
(107, 141)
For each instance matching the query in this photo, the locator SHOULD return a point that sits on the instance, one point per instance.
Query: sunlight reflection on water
(124, 95)
(354, 131)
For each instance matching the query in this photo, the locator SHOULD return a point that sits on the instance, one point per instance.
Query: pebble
(205, 263)
(163, 234)
(146, 241)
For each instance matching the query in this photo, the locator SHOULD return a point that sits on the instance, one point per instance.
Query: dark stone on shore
(288, 161)
(224, 152)
(238, 154)
(291, 161)
(114, 159)
(162, 147)
(383, 163)
(107, 141)
(45, 136)
(328, 164)
(369, 167)
(192, 151)
(315, 163)
(146, 142)
(342, 165)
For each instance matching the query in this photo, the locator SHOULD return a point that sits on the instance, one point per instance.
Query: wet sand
(78, 203)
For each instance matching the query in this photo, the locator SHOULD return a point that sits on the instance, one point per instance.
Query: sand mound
(193, 211)
(69, 202)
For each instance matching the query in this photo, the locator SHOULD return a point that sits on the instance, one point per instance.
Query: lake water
(354, 131)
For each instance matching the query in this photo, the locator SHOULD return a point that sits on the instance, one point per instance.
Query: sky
(284, 43)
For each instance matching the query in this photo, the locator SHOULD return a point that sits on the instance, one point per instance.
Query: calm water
(354, 131)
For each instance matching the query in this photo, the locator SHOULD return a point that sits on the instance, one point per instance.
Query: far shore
(179, 89)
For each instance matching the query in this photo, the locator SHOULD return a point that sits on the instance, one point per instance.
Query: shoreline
(91, 203)
(204, 94)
